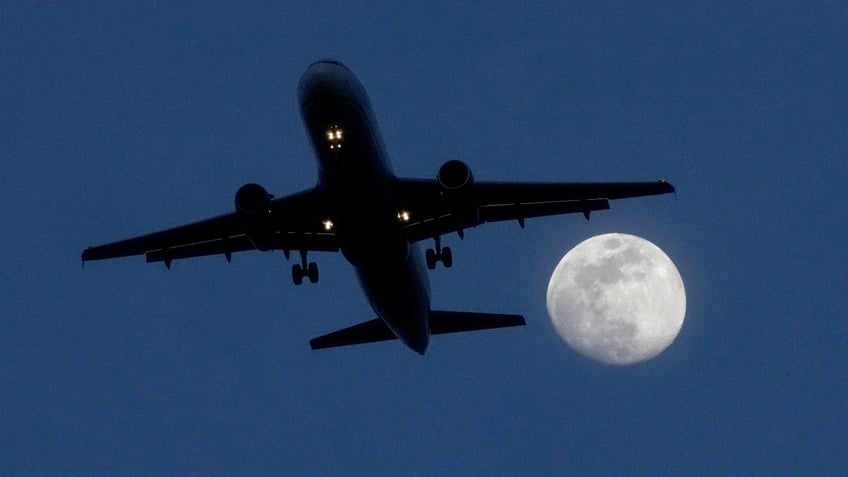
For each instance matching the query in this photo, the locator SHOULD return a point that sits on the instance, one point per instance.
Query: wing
(294, 222)
(432, 212)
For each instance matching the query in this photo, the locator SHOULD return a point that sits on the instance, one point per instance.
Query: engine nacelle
(252, 203)
(454, 175)
(457, 181)
(252, 199)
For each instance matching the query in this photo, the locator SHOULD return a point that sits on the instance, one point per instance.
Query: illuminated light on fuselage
(334, 137)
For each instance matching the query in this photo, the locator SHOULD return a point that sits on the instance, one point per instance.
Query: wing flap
(202, 249)
(224, 226)
(431, 214)
(499, 212)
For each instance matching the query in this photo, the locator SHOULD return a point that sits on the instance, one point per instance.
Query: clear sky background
(121, 118)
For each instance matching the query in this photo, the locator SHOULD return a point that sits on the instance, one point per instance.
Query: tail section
(441, 322)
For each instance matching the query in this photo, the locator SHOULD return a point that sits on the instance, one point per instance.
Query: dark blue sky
(123, 119)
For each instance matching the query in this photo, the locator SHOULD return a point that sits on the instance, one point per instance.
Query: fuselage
(356, 177)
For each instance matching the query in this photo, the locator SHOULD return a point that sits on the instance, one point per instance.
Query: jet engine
(457, 184)
(252, 203)
(454, 175)
(252, 199)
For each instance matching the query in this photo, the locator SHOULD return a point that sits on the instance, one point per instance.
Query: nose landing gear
(444, 255)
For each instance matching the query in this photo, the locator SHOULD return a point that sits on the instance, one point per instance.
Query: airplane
(375, 218)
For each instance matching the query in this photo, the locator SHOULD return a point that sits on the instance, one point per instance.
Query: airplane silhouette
(376, 219)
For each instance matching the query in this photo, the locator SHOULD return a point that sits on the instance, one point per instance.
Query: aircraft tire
(312, 272)
(297, 274)
(447, 257)
(430, 256)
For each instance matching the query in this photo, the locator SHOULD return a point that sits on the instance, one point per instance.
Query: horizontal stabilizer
(367, 332)
(441, 322)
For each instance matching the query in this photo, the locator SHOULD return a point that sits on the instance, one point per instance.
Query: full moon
(617, 298)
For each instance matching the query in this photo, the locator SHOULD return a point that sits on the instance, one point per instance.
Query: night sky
(122, 118)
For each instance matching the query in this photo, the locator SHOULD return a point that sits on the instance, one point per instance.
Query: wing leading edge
(294, 222)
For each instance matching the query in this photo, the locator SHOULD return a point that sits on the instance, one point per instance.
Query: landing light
(328, 225)
(334, 137)
(403, 216)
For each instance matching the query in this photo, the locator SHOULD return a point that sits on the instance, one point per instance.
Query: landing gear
(304, 269)
(444, 255)
(312, 272)
(430, 258)
(298, 273)
(447, 257)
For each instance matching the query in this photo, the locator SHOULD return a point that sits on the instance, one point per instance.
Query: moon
(617, 298)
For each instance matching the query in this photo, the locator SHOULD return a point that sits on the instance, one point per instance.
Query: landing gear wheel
(304, 269)
(312, 272)
(430, 257)
(297, 274)
(447, 257)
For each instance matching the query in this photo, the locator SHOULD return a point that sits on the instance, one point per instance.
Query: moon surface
(617, 298)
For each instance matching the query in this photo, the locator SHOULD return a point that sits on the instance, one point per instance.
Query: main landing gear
(304, 269)
(440, 254)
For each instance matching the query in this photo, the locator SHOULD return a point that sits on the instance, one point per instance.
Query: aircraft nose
(328, 61)
(327, 77)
